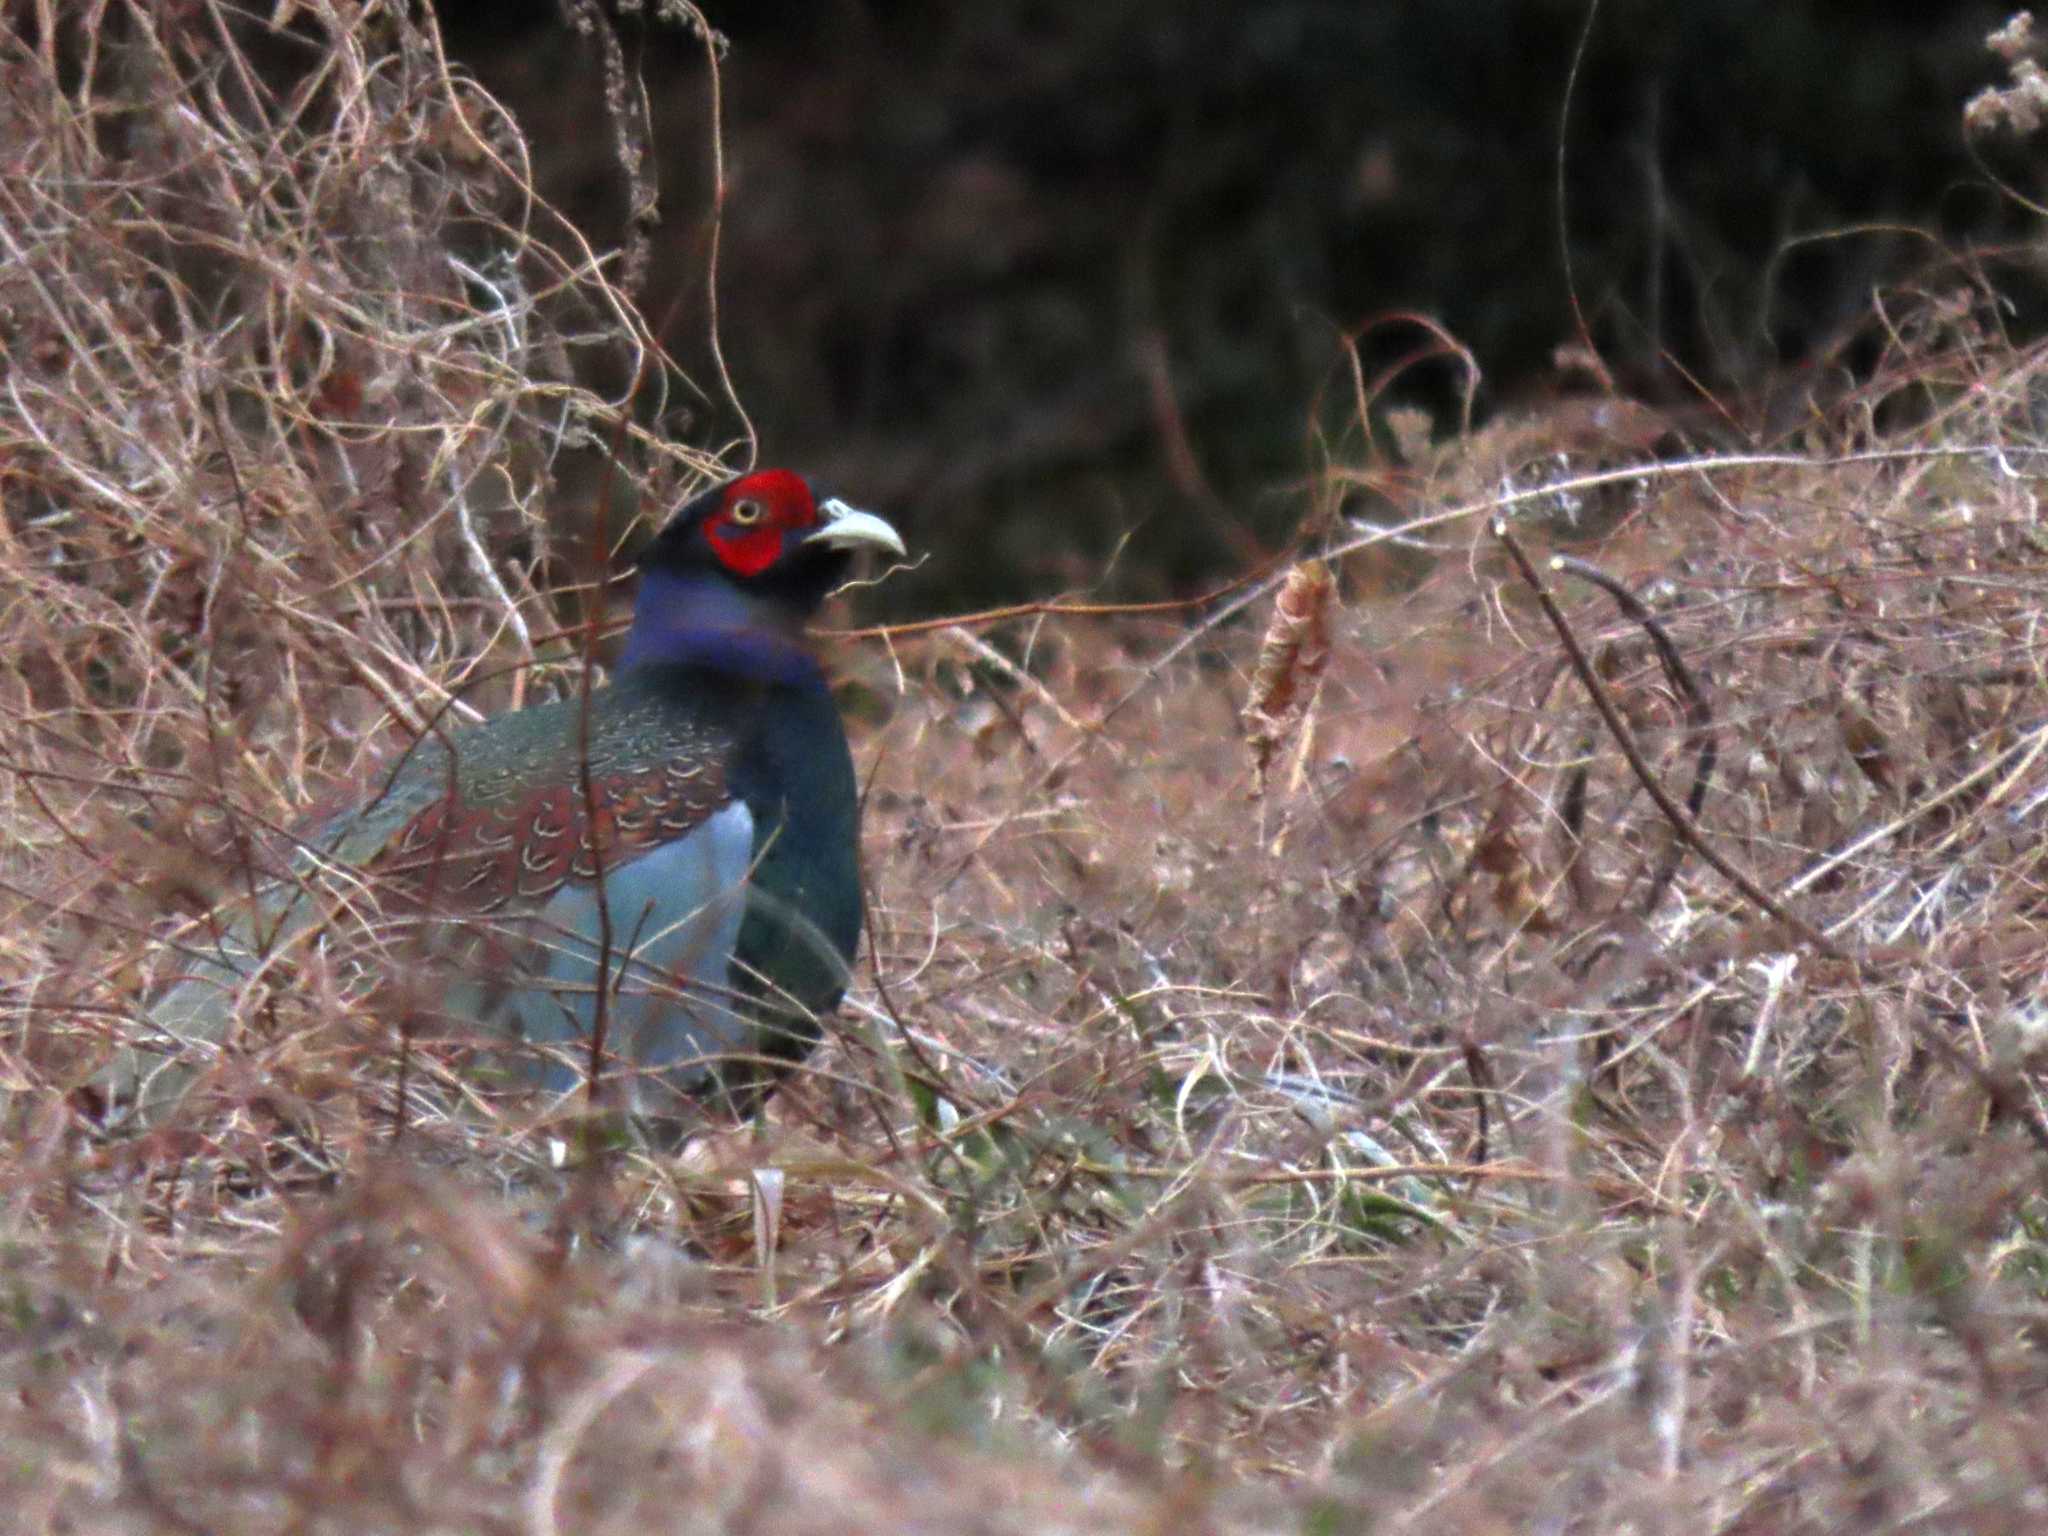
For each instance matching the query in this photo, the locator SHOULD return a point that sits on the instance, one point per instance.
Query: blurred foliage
(1061, 273)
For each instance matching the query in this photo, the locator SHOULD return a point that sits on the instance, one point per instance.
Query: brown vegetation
(1459, 1137)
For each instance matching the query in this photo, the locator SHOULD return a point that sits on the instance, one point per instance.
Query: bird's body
(666, 866)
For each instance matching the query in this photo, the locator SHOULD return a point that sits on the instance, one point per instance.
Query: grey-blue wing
(658, 956)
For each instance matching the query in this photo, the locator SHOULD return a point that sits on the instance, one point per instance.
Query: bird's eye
(745, 513)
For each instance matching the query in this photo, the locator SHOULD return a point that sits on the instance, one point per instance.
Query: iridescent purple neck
(693, 620)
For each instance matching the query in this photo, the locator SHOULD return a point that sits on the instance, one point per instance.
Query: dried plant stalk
(1292, 659)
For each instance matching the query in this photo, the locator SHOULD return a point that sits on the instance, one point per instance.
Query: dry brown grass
(1435, 1144)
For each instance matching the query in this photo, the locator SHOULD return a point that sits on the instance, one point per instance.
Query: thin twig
(1618, 728)
(1698, 711)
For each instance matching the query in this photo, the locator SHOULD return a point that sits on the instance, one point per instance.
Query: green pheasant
(671, 860)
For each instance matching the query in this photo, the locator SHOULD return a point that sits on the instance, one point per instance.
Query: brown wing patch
(479, 857)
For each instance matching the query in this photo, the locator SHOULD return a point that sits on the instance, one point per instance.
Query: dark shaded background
(1036, 277)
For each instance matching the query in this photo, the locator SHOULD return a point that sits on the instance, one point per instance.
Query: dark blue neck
(687, 619)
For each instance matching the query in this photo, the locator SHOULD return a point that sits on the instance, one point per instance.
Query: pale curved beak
(850, 528)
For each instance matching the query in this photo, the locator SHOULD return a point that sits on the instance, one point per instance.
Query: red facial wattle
(747, 551)
(784, 506)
